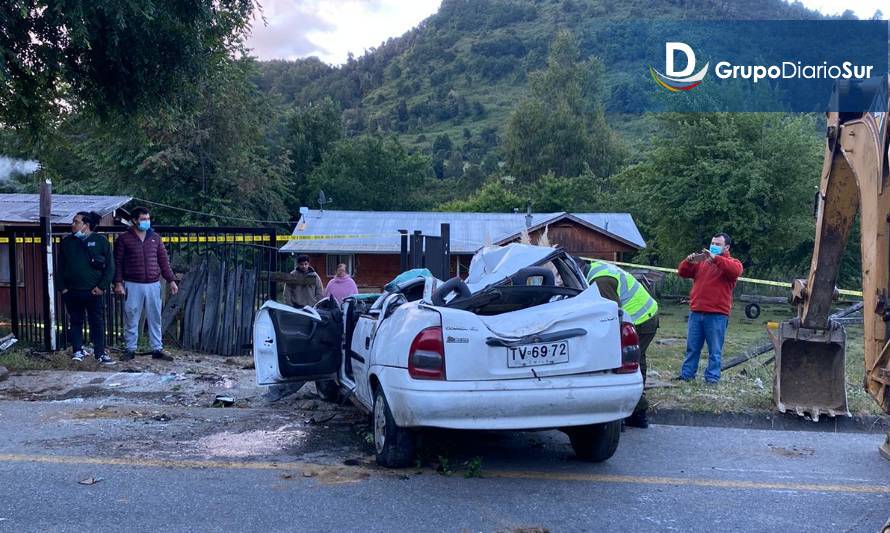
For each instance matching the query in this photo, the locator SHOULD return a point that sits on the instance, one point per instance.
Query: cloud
(284, 34)
(331, 29)
(864, 9)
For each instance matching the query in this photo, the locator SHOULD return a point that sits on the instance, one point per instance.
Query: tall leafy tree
(310, 132)
(752, 175)
(371, 173)
(113, 55)
(561, 128)
(207, 156)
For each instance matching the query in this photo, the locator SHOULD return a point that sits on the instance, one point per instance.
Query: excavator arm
(855, 178)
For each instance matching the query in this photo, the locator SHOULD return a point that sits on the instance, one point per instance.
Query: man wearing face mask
(85, 272)
(141, 259)
(714, 273)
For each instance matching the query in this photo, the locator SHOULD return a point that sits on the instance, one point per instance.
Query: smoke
(10, 167)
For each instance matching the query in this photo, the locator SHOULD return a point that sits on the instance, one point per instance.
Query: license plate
(538, 354)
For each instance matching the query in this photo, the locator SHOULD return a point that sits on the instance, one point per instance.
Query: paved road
(257, 470)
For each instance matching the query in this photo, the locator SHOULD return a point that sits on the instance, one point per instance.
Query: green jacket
(75, 271)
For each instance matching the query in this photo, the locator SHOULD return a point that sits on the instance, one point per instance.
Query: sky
(330, 29)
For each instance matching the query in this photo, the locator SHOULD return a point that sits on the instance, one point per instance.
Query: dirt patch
(793, 451)
(100, 413)
(335, 475)
(250, 443)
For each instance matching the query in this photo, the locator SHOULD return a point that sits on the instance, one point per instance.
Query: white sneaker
(105, 359)
(77, 356)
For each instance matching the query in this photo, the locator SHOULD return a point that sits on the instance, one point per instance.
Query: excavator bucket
(810, 377)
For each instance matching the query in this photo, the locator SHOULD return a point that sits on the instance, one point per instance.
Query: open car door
(297, 344)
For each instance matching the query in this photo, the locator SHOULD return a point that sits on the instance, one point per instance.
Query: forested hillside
(467, 66)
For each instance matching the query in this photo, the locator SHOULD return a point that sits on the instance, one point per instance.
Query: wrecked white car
(521, 344)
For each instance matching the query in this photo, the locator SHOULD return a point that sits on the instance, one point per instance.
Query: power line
(211, 215)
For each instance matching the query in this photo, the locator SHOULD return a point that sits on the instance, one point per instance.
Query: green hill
(462, 70)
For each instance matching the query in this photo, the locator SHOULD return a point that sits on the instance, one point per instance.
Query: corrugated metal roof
(25, 208)
(378, 230)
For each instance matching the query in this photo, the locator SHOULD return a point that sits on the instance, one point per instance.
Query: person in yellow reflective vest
(640, 309)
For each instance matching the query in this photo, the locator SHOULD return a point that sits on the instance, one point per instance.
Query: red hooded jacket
(712, 283)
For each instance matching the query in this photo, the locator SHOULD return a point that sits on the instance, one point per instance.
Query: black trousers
(646, 331)
(80, 303)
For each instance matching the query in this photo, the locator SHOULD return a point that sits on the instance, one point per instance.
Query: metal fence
(244, 257)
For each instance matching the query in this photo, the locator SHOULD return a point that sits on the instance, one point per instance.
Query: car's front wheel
(596, 442)
(393, 445)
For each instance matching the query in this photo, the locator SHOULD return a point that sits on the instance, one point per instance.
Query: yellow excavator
(810, 355)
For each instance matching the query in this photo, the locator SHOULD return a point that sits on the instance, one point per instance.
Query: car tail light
(426, 359)
(630, 349)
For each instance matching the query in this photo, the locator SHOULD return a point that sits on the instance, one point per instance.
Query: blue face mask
(716, 250)
(80, 234)
(144, 225)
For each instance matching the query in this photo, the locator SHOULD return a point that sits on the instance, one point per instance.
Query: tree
(752, 175)
(208, 156)
(561, 127)
(455, 166)
(493, 197)
(443, 145)
(114, 55)
(310, 132)
(370, 173)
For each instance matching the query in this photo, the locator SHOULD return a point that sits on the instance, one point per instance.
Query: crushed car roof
(493, 264)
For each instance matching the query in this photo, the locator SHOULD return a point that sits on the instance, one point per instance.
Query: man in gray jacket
(307, 288)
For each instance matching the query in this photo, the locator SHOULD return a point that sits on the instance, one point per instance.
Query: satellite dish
(322, 199)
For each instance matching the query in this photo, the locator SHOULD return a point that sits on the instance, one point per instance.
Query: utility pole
(49, 286)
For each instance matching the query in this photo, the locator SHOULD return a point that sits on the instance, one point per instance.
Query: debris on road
(223, 401)
(313, 422)
(90, 481)
(7, 342)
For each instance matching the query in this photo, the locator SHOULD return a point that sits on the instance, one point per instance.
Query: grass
(747, 387)
(16, 359)
(21, 358)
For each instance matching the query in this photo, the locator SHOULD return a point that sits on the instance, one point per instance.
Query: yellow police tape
(225, 238)
(845, 292)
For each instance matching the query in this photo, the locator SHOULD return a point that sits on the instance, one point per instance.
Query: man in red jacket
(714, 273)
(140, 260)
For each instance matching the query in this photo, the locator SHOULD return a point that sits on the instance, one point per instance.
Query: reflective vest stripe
(636, 317)
(628, 295)
(636, 302)
(596, 270)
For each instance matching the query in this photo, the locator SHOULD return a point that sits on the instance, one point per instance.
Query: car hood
(494, 264)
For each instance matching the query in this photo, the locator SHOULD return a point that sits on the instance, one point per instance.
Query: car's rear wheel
(393, 445)
(596, 442)
(329, 390)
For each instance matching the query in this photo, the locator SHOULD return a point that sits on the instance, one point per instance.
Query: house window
(334, 259)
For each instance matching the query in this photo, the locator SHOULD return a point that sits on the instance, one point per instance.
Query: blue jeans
(710, 327)
(139, 297)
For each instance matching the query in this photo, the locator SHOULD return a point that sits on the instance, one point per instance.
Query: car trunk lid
(563, 337)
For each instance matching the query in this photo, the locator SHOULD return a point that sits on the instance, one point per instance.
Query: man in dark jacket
(141, 259)
(85, 272)
(306, 287)
(714, 274)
